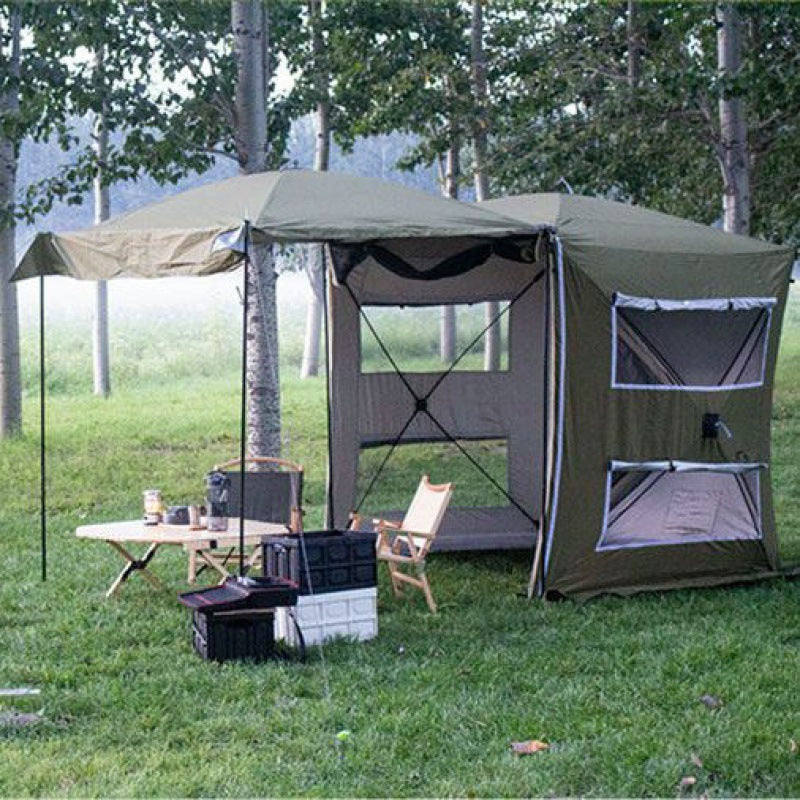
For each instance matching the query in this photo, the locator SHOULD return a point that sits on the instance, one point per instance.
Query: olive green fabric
(177, 236)
(610, 247)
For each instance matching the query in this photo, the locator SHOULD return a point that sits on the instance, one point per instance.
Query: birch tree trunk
(250, 25)
(447, 319)
(102, 211)
(10, 383)
(480, 133)
(634, 46)
(322, 143)
(734, 154)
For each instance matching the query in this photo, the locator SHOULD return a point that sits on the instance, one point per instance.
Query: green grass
(433, 702)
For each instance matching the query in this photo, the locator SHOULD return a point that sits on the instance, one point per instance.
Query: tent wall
(604, 423)
(371, 409)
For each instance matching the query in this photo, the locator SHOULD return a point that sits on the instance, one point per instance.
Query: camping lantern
(218, 486)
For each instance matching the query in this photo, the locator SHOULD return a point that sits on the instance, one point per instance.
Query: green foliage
(399, 65)
(569, 106)
(431, 705)
(165, 86)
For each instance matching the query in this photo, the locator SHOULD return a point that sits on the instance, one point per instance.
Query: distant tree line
(689, 108)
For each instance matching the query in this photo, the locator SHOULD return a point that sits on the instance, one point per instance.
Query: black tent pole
(330, 514)
(243, 409)
(42, 432)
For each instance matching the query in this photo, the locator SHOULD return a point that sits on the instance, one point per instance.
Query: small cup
(194, 517)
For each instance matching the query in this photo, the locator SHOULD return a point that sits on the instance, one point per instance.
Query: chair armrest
(386, 523)
(415, 533)
(391, 539)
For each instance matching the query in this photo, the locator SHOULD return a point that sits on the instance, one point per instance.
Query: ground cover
(614, 686)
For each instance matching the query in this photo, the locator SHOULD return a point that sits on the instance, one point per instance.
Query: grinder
(218, 486)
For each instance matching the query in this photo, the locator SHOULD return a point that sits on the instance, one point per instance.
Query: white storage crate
(353, 613)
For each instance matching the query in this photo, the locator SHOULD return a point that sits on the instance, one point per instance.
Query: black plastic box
(236, 620)
(222, 638)
(337, 560)
(234, 636)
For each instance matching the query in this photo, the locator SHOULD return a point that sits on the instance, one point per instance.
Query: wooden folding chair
(404, 545)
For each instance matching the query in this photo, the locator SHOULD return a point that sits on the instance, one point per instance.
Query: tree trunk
(734, 155)
(102, 211)
(10, 383)
(447, 320)
(480, 133)
(250, 25)
(634, 47)
(322, 144)
(263, 377)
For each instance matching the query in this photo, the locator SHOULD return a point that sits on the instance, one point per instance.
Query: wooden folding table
(199, 544)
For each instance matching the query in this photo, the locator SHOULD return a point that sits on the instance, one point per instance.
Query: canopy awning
(189, 233)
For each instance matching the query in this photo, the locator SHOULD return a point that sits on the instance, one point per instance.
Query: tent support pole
(243, 407)
(560, 334)
(42, 435)
(537, 556)
(330, 514)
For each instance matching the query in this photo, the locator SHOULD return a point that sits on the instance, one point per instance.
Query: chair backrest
(425, 513)
(274, 494)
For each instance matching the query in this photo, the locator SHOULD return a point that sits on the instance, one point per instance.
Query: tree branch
(222, 103)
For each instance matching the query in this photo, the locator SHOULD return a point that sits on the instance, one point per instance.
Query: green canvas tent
(634, 408)
(668, 335)
(201, 231)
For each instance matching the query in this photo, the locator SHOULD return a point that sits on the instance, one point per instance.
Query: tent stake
(42, 433)
(243, 409)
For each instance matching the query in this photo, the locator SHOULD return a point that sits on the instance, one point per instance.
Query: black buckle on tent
(421, 405)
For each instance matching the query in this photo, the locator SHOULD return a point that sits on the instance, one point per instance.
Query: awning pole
(243, 408)
(42, 434)
(330, 514)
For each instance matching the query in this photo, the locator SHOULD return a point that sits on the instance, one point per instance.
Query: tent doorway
(488, 428)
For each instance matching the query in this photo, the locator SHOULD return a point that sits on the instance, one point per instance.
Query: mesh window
(411, 334)
(652, 505)
(669, 345)
(443, 462)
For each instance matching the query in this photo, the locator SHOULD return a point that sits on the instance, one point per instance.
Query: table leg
(192, 576)
(134, 565)
(215, 563)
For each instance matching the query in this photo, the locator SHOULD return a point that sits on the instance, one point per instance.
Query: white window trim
(695, 304)
(678, 466)
(660, 304)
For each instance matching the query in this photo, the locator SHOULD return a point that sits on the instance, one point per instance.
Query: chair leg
(397, 586)
(426, 588)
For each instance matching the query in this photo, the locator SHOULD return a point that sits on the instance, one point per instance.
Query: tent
(669, 335)
(212, 229)
(634, 407)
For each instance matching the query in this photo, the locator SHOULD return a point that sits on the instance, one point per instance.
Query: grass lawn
(433, 703)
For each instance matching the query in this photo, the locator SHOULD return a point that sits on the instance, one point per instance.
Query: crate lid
(241, 594)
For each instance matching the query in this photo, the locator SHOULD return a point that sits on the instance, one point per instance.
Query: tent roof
(176, 236)
(608, 224)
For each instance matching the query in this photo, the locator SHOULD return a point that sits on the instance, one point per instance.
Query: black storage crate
(236, 620)
(233, 636)
(337, 560)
